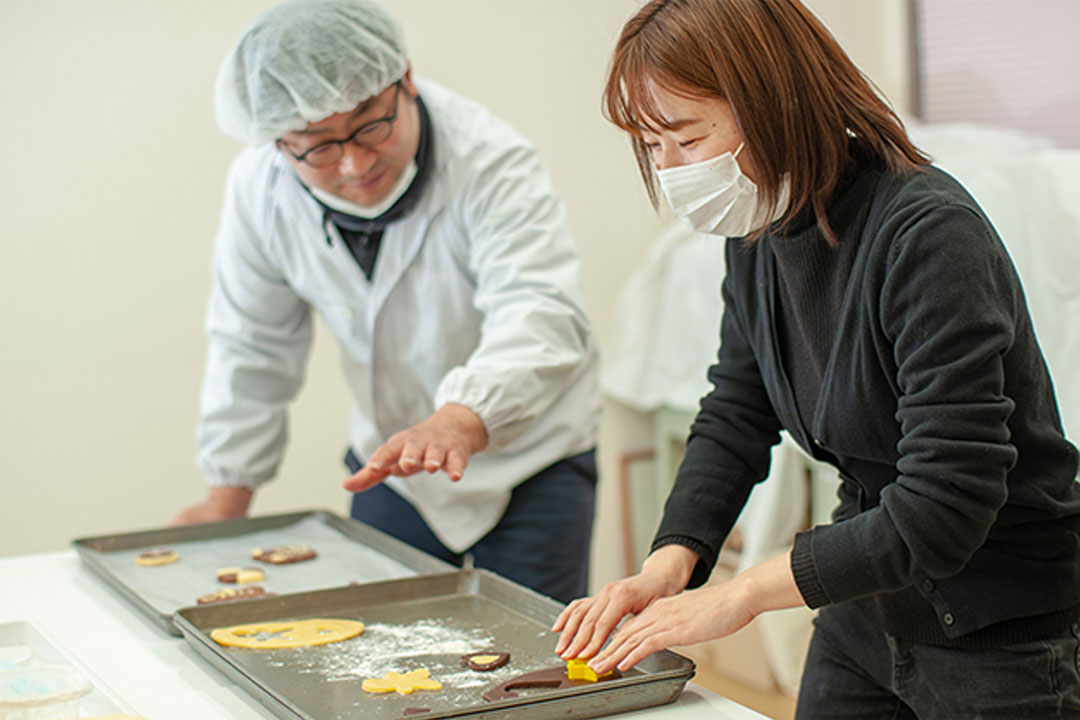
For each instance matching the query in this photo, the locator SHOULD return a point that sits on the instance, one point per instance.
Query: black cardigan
(936, 407)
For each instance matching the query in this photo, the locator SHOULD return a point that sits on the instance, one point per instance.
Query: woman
(871, 311)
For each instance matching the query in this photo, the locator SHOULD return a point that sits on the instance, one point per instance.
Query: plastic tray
(44, 650)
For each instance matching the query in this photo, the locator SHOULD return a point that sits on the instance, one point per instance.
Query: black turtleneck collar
(363, 236)
(860, 167)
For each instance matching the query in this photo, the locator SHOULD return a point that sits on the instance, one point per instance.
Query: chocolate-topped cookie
(229, 594)
(283, 554)
(485, 662)
(240, 575)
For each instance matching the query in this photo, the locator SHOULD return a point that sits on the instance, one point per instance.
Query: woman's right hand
(586, 623)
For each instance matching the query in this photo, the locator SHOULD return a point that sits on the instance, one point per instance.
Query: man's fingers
(365, 479)
(385, 455)
(434, 457)
(455, 464)
(412, 454)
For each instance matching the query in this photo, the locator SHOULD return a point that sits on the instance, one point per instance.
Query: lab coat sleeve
(535, 336)
(728, 451)
(259, 338)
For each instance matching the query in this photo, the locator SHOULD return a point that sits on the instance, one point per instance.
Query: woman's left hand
(694, 616)
(690, 617)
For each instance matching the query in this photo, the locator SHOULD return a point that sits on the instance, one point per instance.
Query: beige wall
(109, 200)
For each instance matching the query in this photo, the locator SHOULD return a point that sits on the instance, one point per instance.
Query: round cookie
(283, 554)
(157, 556)
(280, 635)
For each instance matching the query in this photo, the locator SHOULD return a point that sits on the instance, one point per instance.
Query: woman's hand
(698, 615)
(586, 623)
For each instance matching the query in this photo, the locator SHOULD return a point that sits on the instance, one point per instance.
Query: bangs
(629, 102)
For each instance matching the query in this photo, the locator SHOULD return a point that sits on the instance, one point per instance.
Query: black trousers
(854, 670)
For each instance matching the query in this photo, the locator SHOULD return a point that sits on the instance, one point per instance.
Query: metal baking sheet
(348, 551)
(425, 622)
(46, 650)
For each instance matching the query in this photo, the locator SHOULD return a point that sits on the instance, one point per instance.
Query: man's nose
(355, 159)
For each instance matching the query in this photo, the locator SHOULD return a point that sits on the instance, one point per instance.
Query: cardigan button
(948, 618)
(928, 585)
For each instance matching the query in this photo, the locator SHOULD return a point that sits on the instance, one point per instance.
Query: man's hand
(222, 503)
(444, 441)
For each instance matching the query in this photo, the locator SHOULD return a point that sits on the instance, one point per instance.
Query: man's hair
(798, 99)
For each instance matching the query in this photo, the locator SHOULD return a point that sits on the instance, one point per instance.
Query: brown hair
(796, 96)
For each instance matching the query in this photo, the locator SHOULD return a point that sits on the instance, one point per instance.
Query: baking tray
(48, 651)
(426, 622)
(348, 551)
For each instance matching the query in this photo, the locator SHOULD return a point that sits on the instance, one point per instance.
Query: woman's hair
(798, 99)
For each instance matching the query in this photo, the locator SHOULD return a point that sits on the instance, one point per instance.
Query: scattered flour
(383, 647)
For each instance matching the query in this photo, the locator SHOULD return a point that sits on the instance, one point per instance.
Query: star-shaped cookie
(403, 684)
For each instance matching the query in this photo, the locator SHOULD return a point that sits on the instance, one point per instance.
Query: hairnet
(303, 61)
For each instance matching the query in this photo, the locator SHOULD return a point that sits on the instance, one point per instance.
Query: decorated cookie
(240, 575)
(402, 684)
(157, 556)
(283, 554)
(485, 662)
(229, 594)
(556, 678)
(280, 635)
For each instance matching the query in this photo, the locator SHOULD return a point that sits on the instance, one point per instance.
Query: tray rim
(411, 557)
(282, 708)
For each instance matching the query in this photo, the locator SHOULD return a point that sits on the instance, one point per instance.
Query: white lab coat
(476, 299)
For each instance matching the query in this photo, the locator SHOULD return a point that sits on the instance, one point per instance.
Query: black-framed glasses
(367, 135)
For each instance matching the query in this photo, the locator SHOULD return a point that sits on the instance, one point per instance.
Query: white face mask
(368, 211)
(715, 197)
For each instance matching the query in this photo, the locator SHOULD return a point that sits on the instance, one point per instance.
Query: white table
(159, 675)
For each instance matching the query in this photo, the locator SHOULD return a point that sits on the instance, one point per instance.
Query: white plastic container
(42, 693)
(16, 657)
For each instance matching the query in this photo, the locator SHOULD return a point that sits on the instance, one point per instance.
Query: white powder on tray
(430, 643)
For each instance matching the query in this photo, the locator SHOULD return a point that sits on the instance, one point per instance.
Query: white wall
(109, 201)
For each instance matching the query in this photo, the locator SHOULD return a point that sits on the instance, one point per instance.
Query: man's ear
(407, 83)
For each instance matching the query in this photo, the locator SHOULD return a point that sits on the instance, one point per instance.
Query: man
(426, 233)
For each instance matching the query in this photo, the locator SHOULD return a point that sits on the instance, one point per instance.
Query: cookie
(240, 575)
(485, 662)
(555, 678)
(229, 594)
(402, 683)
(157, 556)
(289, 634)
(283, 554)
